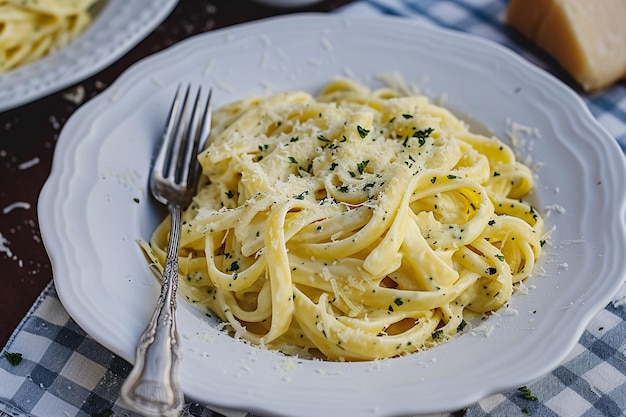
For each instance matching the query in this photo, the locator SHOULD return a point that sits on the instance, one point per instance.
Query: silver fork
(153, 387)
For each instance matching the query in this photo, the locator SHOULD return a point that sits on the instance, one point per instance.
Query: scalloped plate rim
(75, 71)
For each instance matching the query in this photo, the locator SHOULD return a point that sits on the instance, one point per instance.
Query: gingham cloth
(65, 373)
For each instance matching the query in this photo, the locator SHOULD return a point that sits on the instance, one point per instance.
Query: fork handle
(153, 388)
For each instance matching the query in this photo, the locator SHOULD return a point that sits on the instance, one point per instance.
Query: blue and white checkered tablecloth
(65, 373)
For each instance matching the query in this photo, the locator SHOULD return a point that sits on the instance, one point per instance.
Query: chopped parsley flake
(526, 393)
(368, 185)
(362, 131)
(461, 326)
(301, 195)
(323, 138)
(14, 358)
(362, 165)
(424, 133)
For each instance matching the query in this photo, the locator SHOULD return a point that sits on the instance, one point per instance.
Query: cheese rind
(587, 38)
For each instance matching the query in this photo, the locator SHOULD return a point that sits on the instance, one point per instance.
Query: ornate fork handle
(153, 387)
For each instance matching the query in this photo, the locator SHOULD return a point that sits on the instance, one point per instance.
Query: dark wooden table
(28, 136)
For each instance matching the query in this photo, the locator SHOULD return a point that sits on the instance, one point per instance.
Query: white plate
(90, 222)
(118, 25)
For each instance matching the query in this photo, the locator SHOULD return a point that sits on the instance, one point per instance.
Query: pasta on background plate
(32, 29)
(355, 225)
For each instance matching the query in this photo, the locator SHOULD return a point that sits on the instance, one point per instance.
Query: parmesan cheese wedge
(586, 37)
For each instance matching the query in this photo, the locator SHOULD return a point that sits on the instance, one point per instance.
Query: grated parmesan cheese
(484, 330)
(28, 164)
(554, 207)
(4, 246)
(327, 44)
(75, 96)
(619, 302)
(290, 364)
(18, 204)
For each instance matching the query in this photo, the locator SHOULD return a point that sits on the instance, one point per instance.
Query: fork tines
(185, 134)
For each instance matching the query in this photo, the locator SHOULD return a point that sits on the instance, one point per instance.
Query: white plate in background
(117, 26)
(90, 218)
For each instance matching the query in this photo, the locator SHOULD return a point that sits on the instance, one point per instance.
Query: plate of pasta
(47, 45)
(398, 232)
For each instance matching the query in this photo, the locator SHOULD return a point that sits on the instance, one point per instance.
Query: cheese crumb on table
(587, 38)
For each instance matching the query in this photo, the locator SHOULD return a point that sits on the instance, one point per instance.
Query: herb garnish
(301, 195)
(323, 138)
(14, 358)
(526, 393)
(361, 166)
(362, 131)
(424, 133)
(461, 326)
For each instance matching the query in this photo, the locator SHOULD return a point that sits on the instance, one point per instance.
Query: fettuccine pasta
(355, 225)
(31, 29)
